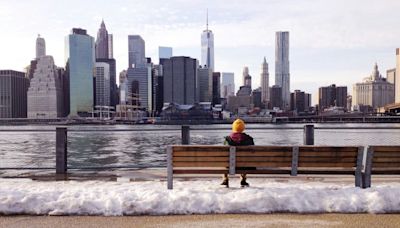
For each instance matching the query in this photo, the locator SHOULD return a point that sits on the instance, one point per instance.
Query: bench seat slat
(263, 148)
(385, 154)
(327, 154)
(388, 171)
(329, 159)
(385, 164)
(326, 164)
(386, 159)
(386, 148)
(262, 153)
(200, 164)
(201, 159)
(264, 159)
(200, 154)
(263, 164)
(200, 171)
(202, 148)
(327, 149)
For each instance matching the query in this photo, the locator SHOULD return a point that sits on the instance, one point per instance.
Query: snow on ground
(192, 197)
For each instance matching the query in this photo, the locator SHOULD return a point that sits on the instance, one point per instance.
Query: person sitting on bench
(237, 138)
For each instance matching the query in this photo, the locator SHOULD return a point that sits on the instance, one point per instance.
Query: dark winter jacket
(239, 139)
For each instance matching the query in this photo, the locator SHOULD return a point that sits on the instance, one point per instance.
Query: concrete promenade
(206, 221)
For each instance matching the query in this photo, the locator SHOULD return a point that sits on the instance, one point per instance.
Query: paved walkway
(206, 221)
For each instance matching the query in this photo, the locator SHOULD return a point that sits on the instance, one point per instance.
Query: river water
(146, 147)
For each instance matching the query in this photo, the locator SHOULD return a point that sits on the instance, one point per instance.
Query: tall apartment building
(102, 88)
(205, 78)
(332, 95)
(180, 80)
(45, 94)
(13, 94)
(300, 101)
(282, 72)
(275, 97)
(216, 88)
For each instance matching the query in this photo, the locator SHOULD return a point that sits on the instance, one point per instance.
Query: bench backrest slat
(311, 156)
(200, 156)
(385, 157)
(264, 156)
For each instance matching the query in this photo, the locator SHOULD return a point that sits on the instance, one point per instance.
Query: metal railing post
(308, 134)
(61, 150)
(185, 135)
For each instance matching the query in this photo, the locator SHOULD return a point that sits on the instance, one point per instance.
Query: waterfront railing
(61, 163)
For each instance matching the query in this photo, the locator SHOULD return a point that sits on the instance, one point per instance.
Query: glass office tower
(80, 60)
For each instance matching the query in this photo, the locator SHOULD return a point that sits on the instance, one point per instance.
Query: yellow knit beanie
(238, 126)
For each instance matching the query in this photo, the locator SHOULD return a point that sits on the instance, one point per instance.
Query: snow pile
(192, 197)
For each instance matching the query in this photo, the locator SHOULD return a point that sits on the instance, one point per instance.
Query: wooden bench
(381, 160)
(201, 159)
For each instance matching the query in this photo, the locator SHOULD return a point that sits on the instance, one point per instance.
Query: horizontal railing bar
(200, 129)
(87, 168)
(27, 168)
(117, 167)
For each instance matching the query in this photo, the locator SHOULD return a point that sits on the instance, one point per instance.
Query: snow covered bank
(191, 197)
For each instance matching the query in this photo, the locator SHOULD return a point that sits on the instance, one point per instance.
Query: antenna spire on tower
(207, 19)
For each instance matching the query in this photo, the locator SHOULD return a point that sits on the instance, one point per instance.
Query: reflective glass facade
(80, 58)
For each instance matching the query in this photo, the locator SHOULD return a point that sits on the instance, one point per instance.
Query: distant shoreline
(280, 120)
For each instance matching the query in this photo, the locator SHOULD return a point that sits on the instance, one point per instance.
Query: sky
(330, 41)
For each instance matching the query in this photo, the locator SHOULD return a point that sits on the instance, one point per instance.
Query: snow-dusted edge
(192, 197)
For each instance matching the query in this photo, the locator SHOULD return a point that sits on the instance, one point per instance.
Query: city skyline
(330, 42)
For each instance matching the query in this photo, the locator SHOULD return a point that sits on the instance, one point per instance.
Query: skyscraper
(110, 46)
(246, 77)
(180, 80)
(13, 93)
(216, 88)
(102, 76)
(113, 85)
(228, 85)
(205, 76)
(282, 73)
(40, 47)
(164, 52)
(45, 97)
(102, 42)
(264, 82)
(80, 59)
(136, 48)
(397, 80)
(139, 84)
(207, 48)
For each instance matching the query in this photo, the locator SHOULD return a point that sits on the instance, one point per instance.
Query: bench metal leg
(295, 160)
(368, 168)
(169, 168)
(358, 173)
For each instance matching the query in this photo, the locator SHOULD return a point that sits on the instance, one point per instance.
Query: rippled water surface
(147, 147)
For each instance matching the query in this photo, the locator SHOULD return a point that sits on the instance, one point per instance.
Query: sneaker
(225, 182)
(243, 183)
